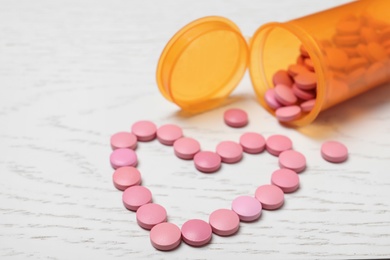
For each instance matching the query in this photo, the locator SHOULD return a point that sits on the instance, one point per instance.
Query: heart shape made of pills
(167, 236)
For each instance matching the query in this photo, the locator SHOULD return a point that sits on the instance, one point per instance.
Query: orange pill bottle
(349, 49)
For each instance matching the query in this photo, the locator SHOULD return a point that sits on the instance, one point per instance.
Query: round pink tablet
(270, 99)
(292, 160)
(125, 177)
(186, 148)
(165, 236)
(287, 180)
(303, 94)
(295, 69)
(306, 80)
(309, 64)
(136, 196)
(284, 95)
(123, 157)
(123, 140)
(282, 77)
(252, 142)
(207, 162)
(334, 151)
(168, 134)
(144, 130)
(196, 232)
(151, 214)
(270, 196)
(235, 117)
(229, 151)
(307, 106)
(301, 60)
(288, 113)
(224, 222)
(247, 208)
(303, 51)
(276, 144)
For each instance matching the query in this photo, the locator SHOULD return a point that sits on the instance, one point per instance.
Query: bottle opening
(275, 47)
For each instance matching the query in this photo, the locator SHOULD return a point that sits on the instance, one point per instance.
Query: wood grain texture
(74, 72)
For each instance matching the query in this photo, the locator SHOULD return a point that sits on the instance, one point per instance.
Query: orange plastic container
(349, 46)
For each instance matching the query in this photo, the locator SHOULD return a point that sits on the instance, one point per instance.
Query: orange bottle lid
(202, 63)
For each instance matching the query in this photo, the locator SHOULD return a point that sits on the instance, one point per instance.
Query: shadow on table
(226, 102)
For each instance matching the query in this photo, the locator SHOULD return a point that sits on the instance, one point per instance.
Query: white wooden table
(72, 73)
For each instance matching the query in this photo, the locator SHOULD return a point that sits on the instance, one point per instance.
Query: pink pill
(235, 117)
(303, 94)
(308, 106)
(301, 60)
(309, 64)
(292, 160)
(276, 144)
(123, 140)
(295, 69)
(282, 77)
(288, 113)
(334, 151)
(304, 52)
(123, 157)
(144, 130)
(247, 208)
(165, 236)
(270, 196)
(252, 142)
(270, 99)
(230, 152)
(306, 80)
(136, 196)
(284, 95)
(151, 214)
(287, 180)
(168, 134)
(224, 222)
(196, 232)
(207, 162)
(186, 147)
(125, 177)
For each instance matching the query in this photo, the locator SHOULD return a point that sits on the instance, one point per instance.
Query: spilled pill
(123, 157)
(271, 197)
(150, 214)
(292, 160)
(186, 148)
(125, 177)
(252, 142)
(165, 236)
(286, 179)
(196, 232)
(229, 151)
(169, 133)
(207, 161)
(235, 117)
(123, 140)
(247, 208)
(334, 151)
(144, 130)
(136, 196)
(276, 144)
(224, 222)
